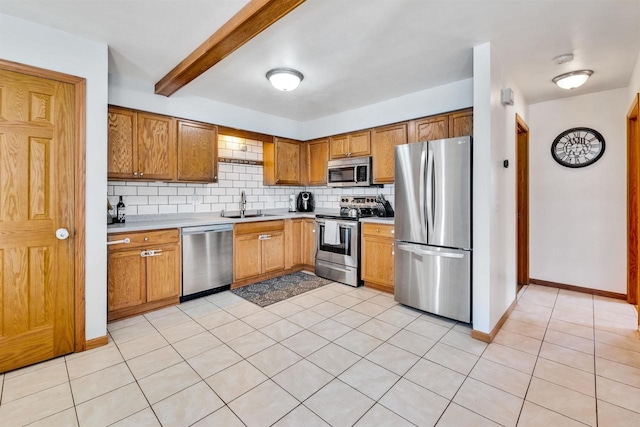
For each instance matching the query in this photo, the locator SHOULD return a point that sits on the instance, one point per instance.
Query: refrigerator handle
(409, 248)
(429, 204)
(421, 191)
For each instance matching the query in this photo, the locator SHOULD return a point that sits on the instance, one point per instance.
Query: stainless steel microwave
(354, 172)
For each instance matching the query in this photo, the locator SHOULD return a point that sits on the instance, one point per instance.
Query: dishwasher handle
(207, 229)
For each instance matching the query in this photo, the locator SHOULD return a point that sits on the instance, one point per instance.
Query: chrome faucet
(243, 203)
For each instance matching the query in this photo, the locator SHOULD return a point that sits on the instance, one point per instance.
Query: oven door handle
(340, 224)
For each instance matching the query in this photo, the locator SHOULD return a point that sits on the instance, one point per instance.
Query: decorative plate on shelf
(578, 147)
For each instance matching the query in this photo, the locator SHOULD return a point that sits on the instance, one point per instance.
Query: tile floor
(341, 356)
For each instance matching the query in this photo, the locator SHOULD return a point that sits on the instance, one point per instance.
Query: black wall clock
(577, 147)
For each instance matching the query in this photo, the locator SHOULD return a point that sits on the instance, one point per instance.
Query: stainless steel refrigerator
(433, 227)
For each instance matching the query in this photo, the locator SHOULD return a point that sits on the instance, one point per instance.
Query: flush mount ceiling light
(285, 79)
(573, 79)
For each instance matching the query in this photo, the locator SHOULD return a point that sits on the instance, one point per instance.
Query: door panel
(410, 214)
(273, 252)
(433, 279)
(126, 279)
(122, 158)
(36, 197)
(451, 193)
(157, 150)
(163, 273)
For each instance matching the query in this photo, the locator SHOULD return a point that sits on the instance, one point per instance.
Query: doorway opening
(633, 208)
(522, 202)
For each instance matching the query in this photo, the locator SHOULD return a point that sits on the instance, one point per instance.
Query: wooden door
(126, 279)
(247, 256)
(317, 158)
(37, 130)
(288, 161)
(461, 123)
(383, 147)
(163, 273)
(633, 202)
(338, 146)
(431, 128)
(122, 157)
(309, 242)
(295, 248)
(273, 258)
(157, 149)
(197, 152)
(522, 190)
(360, 144)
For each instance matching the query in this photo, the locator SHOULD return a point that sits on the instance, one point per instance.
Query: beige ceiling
(357, 52)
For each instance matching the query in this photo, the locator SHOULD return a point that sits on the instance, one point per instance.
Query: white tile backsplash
(142, 198)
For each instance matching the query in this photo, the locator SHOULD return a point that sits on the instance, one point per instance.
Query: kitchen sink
(252, 215)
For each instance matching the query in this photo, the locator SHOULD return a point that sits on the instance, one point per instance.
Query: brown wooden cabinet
(356, 144)
(309, 244)
(258, 249)
(141, 145)
(317, 158)
(461, 123)
(143, 274)
(197, 152)
(450, 125)
(283, 162)
(378, 256)
(153, 147)
(383, 146)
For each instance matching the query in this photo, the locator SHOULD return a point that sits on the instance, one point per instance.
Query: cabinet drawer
(259, 227)
(382, 230)
(144, 239)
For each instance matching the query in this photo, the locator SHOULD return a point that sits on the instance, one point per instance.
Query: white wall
(494, 196)
(634, 82)
(578, 216)
(440, 99)
(126, 92)
(36, 45)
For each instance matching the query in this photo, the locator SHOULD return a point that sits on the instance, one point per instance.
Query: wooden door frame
(79, 148)
(521, 127)
(633, 204)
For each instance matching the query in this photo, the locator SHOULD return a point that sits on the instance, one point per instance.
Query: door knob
(62, 233)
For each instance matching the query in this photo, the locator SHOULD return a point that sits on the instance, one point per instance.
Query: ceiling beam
(250, 21)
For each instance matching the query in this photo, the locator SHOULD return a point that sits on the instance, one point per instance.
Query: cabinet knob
(141, 173)
(135, 174)
(377, 230)
(146, 239)
(215, 177)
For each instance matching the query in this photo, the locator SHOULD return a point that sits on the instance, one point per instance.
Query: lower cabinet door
(126, 279)
(272, 251)
(163, 273)
(377, 261)
(309, 242)
(247, 256)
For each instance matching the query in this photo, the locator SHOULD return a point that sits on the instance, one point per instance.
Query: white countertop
(162, 221)
(378, 220)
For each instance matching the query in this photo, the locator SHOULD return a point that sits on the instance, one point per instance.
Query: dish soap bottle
(120, 208)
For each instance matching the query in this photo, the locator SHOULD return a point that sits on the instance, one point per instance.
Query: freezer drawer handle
(426, 252)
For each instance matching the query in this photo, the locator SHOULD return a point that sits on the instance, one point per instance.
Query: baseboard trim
(96, 342)
(574, 288)
(483, 336)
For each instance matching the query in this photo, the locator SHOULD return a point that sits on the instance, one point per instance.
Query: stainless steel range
(338, 254)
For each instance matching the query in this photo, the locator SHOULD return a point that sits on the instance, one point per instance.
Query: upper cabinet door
(360, 144)
(383, 147)
(461, 123)
(157, 149)
(339, 146)
(317, 158)
(431, 128)
(288, 161)
(122, 156)
(197, 152)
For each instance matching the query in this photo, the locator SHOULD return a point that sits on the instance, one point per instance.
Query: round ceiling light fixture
(285, 79)
(573, 79)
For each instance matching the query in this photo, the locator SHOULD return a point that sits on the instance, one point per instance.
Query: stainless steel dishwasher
(207, 260)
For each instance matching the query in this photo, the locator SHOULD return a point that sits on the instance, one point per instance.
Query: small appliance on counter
(292, 203)
(305, 202)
